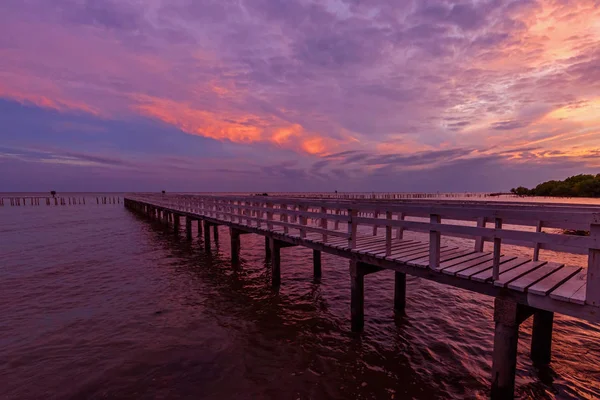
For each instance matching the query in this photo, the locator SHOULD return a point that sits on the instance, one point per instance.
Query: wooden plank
(521, 284)
(445, 255)
(551, 282)
(460, 260)
(336, 240)
(411, 256)
(509, 276)
(369, 248)
(487, 265)
(567, 290)
(366, 245)
(410, 247)
(483, 257)
(397, 245)
(407, 250)
(579, 296)
(361, 240)
(486, 275)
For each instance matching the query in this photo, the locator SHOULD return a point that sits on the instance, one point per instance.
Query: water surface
(100, 303)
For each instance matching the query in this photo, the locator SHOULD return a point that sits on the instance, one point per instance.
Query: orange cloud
(246, 128)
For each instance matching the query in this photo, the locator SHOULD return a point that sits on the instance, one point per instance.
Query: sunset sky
(280, 95)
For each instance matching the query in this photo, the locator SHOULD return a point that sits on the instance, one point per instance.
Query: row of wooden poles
(56, 201)
(392, 196)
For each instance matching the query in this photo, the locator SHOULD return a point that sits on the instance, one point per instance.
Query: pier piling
(399, 292)
(188, 228)
(267, 247)
(508, 316)
(206, 235)
(541, 337)
(357, 296)
(235, 245)
(216, 233)
(316, 265)
(275, 246)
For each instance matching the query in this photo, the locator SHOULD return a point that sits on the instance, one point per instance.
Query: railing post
(337, 223)
(303, 220)
(592, 290)
(497, 245)
(269, 216)
(388, 233)
(248, 212)
(434, 242)
(536, 248)
(479, 241)
(284, 217)
(400, 230)
(375, 216)
(352, 227)
(258, 213)
(324, 224)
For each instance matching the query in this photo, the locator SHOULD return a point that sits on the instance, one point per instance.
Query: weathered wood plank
(452, 270)
(522, 283)
(549, 283)
(487, 265)
(460, 260)
(409, 257)
(445, 255)
(486, 275)
(407, 251)
(580, 296)
(521, 270)
(566, 290)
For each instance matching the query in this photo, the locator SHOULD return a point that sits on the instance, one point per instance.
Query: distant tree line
(574, 186)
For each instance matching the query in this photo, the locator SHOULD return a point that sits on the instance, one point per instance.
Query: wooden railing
(519, 224)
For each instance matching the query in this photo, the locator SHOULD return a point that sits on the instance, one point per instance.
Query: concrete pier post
(216, 233)
(188, 228)
(399, 292)
(275, 246)
(317, 264)
(541, 337)
(357, 297)
(235, 246)
(199, 227)
(206, 235)
(508, 315)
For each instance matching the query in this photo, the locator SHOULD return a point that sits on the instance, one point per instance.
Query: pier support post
(357, 296)
(541, 337)
(176, 223)
(199, 221)
(267, 247)
(399, 292)
(188, 228)
(206, 235)
(508, 315)
(275, 246)
(235, 245)
(317, 264)
(216, 233)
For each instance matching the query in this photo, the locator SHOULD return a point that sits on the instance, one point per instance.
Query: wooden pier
(523, 287)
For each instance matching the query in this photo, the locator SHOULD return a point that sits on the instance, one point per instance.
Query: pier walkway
(523, 286)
